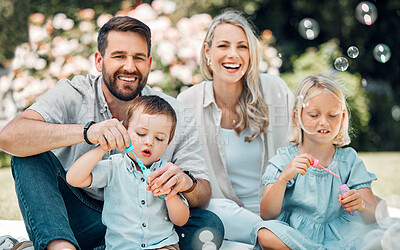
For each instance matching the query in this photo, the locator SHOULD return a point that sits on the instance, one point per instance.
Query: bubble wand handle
(343, 189)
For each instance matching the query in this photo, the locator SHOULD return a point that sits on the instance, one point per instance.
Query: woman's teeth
(231, 66)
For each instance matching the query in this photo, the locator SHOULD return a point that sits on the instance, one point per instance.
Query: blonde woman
(243, 118)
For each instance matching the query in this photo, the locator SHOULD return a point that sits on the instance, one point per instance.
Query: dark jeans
(52, 209)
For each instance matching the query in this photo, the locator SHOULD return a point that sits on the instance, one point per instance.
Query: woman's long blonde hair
(251, 108)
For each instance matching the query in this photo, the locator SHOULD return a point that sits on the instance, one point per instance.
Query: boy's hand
(168, 179)
(351, 200)
(299, 165)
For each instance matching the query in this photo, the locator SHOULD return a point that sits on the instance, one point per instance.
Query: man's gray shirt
(81, 100)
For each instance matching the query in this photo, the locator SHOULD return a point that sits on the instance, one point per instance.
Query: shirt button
(142, 179)
(143, 224)
(143, 245)
(142, 202)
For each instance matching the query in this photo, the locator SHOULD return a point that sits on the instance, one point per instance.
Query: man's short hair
(123, 24)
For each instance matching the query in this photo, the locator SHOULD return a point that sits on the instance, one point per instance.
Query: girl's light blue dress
(311, 216)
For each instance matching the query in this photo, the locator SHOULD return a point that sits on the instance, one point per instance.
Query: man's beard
(111, 83)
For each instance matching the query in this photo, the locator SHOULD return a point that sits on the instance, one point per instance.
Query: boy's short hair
(151, 105)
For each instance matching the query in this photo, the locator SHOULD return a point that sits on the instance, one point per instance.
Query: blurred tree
(14, 16)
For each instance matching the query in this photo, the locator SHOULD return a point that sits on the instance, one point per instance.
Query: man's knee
(45, 162)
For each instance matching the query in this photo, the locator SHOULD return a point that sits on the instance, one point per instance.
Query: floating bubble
(280, 55)
(308, 28)
(209, 246)
(391, 237)
(183, 235)
(366, 13)
(382, 53)
(341, 63)
(396, 113)
(364, 82)
(352, 51)
(206, 236)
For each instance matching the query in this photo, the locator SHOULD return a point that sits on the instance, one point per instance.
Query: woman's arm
(79, 174)
(178, 211)
(362, 200)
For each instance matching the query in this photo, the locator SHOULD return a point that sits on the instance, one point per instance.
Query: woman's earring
(208, 62)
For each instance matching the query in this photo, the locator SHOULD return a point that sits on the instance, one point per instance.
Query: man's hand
(168, 179)
(110, 134)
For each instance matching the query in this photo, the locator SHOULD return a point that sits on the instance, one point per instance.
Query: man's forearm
(200, 196)
(25, 137)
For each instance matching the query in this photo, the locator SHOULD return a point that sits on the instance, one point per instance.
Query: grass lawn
(386, 166)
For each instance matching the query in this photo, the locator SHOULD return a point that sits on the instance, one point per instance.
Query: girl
(303, 198)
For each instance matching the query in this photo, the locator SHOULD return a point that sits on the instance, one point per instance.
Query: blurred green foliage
(5, 159)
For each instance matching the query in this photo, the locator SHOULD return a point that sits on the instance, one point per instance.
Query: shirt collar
(131, 167)
(102, 100)
(208, 94)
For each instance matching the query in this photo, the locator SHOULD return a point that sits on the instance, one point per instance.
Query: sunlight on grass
(9, 209)
(386, 166)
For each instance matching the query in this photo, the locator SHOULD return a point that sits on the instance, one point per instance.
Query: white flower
(273, 71)
(37, 33)
(68, 24)
(270, 52)
(155, 76)
(182, 72)
(276, 62)
(143, 12)
(102, 19)
(40, 64)
(166, 52)
(163, 6)
(263, 67)
(86, 26)
(58, 20)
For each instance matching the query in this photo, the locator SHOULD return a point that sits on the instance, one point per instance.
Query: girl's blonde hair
(251, 108)
(308, 88)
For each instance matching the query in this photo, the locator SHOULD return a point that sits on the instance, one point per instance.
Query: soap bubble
(341, 63)
(308, 28)
(382, 53)
(364, 82)
(206, 236)
(366, 13)
(396, 113)
(352, 51)
(209, 246)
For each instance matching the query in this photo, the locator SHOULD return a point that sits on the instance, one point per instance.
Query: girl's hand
(351, 200)
(299, 165)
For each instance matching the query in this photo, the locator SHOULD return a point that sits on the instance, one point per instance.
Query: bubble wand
(316, 163)
(146, 172)
(343, 188)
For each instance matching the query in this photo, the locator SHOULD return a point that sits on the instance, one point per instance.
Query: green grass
(386, 166)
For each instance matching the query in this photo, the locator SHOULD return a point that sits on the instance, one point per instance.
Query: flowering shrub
(61, 47)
